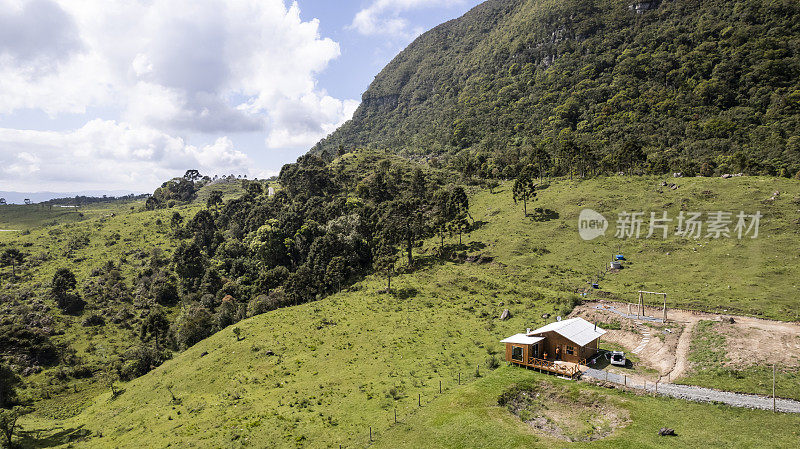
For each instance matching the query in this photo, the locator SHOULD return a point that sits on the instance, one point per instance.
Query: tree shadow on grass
(43, 438)
(477, 224)
(405, 292)
(542, 215)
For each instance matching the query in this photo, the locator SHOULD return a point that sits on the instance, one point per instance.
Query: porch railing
(568, 369)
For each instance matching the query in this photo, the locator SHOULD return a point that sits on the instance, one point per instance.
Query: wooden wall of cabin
(553, 340)
(525, 352)
(590, 349)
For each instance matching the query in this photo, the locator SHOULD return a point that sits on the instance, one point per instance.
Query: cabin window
(570, 350)
(516, 353)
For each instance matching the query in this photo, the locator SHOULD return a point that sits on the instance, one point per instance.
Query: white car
(618, 358)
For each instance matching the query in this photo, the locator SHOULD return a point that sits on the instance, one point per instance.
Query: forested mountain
(702, 87)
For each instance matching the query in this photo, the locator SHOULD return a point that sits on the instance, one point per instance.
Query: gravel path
(625, 315)
(700, 394)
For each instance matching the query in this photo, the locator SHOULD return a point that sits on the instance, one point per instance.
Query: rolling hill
(320, 374)
(223, 316)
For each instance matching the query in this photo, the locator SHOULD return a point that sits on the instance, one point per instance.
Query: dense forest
(326, 227)
(578, 86)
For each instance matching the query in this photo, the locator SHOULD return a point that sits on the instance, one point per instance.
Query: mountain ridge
(701, 87)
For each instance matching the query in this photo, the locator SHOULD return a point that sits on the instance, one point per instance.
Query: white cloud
(36, 34)
(179, 66)
(104, 153)
(384, 17)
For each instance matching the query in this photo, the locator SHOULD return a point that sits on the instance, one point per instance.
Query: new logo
(591, 224)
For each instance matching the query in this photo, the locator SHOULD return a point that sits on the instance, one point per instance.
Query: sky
(125, 94)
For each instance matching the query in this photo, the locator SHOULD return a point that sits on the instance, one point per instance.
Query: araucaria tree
(13, 257)
(524, 188)
(61, 289)
(459, 211)
(384, 258)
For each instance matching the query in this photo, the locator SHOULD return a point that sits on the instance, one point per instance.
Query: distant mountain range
(38, 197)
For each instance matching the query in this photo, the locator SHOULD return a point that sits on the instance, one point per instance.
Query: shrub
(8, 382)
(193, 325)
(94, 320)
(264, 303)
(140, 360)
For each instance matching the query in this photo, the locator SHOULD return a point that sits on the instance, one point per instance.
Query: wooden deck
(568, 369)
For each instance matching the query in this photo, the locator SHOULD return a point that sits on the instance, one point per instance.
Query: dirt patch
(748, 341)
(756, 345)
(564, 412)
(659, 350)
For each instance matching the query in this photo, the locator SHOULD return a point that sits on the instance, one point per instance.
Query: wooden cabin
(560, 347)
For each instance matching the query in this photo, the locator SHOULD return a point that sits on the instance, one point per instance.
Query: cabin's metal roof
(576, 330)
(522, 339)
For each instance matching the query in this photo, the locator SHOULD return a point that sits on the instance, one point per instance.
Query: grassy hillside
(470, 417)
(120, 233)
(700, 86)
(321, 373)
(25, 217)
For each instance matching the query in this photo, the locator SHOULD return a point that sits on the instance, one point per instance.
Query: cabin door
(535, 351)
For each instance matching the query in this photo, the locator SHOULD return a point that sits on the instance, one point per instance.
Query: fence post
(395, 415)
(773, 389)
(440, 387)
(370, 434)
(459, 378)
(419, 400)
(625, 380)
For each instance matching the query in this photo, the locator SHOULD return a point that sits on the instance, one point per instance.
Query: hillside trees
(327, 226)
(62, 291)
(189, 265)
(155, 328)
(385, 258)
(12, 257)
(8, 383)
(214, 199)
(193, 324)
(458, 203)
(691, 81)
(524, 188)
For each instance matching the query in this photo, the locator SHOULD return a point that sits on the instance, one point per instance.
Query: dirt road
(699, 394)
(749, 341)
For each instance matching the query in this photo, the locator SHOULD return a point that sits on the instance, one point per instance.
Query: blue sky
(121, 94)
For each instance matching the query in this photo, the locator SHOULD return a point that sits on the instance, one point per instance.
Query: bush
(94, 320)
(70, 303)
(140, 360)
(166, 292)
(264, 303)
(8, 382)
(193, 325)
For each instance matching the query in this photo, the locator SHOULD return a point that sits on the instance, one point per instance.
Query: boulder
(666, 431)
(545, 315)
(727, 176)
(505, 315)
